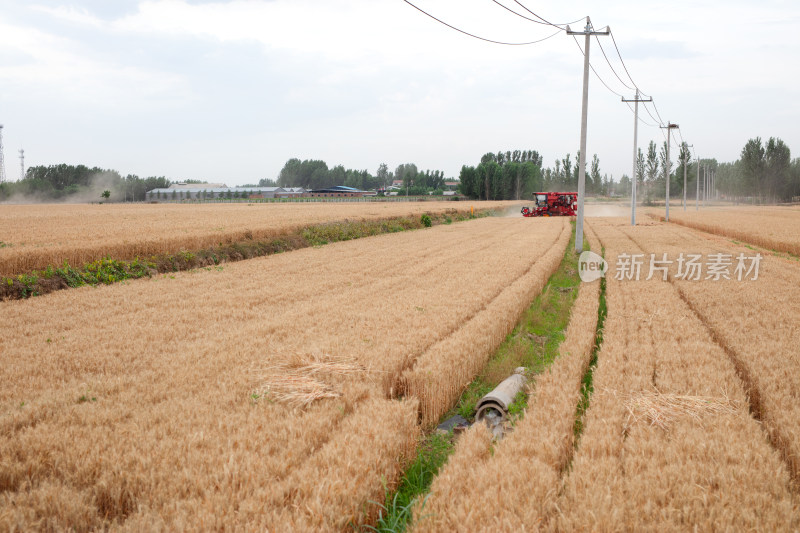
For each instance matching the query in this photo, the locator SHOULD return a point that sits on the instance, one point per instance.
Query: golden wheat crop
(439, 375)
(35, 236)
(186, 401)
(755, 321)
(514, 486)
(669, 442)
(775, 228)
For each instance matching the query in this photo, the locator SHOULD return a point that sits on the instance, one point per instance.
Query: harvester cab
(552, 204)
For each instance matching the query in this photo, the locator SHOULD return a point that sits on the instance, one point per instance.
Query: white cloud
(363, 81)
(50, 66)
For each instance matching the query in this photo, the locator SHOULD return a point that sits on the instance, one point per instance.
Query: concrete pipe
(495, 404)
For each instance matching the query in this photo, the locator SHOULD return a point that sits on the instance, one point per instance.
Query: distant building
(203, 192)
(184, 186)
(339, 191)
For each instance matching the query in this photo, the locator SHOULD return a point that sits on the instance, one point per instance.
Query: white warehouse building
(205, 192)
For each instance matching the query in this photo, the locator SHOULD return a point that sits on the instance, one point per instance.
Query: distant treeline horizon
(765, 172)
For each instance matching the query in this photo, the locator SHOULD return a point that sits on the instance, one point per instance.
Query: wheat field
(774, 227)
(670, 442)
(692, 424)
(513, 485)
(261, 395)
(35, 236)
(755, 321)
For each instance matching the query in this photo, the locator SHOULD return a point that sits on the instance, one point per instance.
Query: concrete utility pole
(669, 127)
(685, 160)
(588, 32)
(714, 194)
(697, 198)
(636, 101)
(705, 183)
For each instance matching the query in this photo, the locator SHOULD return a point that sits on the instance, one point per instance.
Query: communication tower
(21, 164)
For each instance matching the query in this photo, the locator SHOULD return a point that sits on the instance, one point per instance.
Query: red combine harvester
(553, 204)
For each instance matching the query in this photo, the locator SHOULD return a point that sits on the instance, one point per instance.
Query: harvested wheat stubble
(36, 236)
(775, 228)
(710, 469)
(757, 322)
(515, 487)
(439, 376)
(135, 402)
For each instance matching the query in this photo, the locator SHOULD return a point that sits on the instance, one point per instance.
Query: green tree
(778, 167)
(567, 166)
(753, 163)
(651, 170)
(383, 175)
(624, 185)
(596, 180)
(684, 160)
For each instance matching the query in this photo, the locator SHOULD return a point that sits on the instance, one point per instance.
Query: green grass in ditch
(587, 387)
(533, 344)
(395, 513)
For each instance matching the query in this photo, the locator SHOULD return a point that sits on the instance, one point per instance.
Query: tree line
(514, 175)
(315, 174)
(503, 176)
(564, 176)
(79, 183)
(764, 172)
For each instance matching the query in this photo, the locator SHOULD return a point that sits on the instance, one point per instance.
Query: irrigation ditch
(527, 351)
(110, 270)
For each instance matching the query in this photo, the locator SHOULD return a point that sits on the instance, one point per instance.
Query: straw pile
(662, 410)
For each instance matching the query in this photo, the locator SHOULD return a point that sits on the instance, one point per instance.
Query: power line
(560, 28)
(651, 115)
(611, 67)
(625, 67)
(595, 72)
(521, 15)
(643, 121)
(661, 120)
(476, 36)
(520, 4)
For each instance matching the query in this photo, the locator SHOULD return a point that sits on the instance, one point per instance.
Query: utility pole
(697, 197)
(710, 186)
(669, 127)
(587, 32)
(636, 101)
(21, 164)
(714, 194)
(705, 183)
(685, 161)
(716, 191)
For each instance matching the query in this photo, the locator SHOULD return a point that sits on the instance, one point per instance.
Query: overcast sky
(227, 91)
